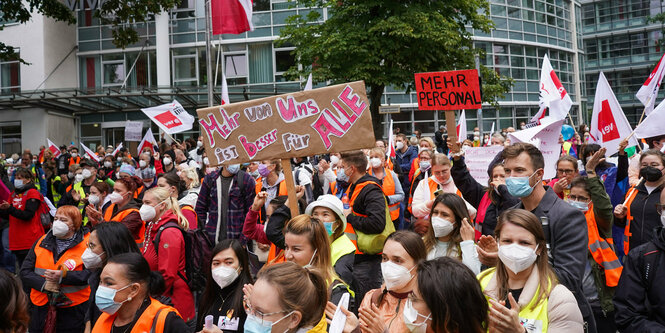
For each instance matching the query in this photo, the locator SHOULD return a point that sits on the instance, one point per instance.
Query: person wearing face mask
(566, 171)
(639, 299)
(388, 180)
(224, 199)
(272, 179)
(423, 172)
(222, 297)
(106, 170)
(148, 178)
(74, 156)
(564, 225)
(603, 268)
(638, 215)
(175, 186)
(98, 201)
(23, 212)
(105, 241)
(192, 187)
(40, 179)
(123, 208)
(450, 233)
(423, 143)
(77, 193)
(404, 156)
(164, 247)
(56, 276)
(125, 298)
(523, 291)
(167, 162)
(425, 193)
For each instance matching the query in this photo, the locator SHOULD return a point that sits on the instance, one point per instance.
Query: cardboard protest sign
(452, 90)
(546, 137)
(319, 121)
(171, 117)
(478, 159)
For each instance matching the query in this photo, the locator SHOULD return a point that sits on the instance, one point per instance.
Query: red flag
(649, 90)
(91, 154)
(608, 122)
(231, 16)
(53, 148)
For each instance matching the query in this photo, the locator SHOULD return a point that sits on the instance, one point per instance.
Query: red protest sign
(452, 90)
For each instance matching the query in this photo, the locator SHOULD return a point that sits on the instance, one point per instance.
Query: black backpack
(198, 251)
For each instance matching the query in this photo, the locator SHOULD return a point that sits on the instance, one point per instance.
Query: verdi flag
(90, 154)
(609, 125)
(553, 95)
(53, 148)
(649, 90)
(171, 118)
(653, 124)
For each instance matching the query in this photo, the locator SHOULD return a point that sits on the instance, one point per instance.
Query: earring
(129, 299)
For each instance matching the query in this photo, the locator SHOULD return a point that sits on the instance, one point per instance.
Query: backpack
(198, 251)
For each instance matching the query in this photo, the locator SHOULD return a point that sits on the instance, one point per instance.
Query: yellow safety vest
(341, 247)
(533, 318)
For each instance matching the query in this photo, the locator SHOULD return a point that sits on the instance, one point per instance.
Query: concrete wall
(37, 125)
(59, 40)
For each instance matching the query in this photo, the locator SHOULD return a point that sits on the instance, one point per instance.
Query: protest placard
(546, 138)
(133, 130)
(478, 159)
(306, 123)
(452, 90)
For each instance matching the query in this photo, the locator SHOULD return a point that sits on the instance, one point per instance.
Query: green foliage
(384, 42)
(658, 18)
(118, 13)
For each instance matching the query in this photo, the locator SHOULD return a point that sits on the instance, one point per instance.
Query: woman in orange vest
(602, 273)
(388, 179)
(423, 143)
(56, 276)
(272, 179)
(123, 208)
(172, 182)
(124, 298)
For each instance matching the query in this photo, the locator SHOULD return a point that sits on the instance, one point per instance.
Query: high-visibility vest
(74, 160)
(118, 217)
(349, 232)
(629, 218)
(389, 164)
(56, 195)
(413, 182)
(37, 178)
(275, 254)
(154, 316)
(69, 261)
(138, 192)
(388, 188)
(602, 251)
(433, 186)
(532, 314)
(281, 191)
(341, 247)
(78, 187)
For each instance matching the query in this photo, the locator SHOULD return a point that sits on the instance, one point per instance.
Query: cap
(128, 169)
(329, 201)
(88, 163)
(147, 173)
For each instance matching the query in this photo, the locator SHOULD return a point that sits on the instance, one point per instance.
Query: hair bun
(157, 284)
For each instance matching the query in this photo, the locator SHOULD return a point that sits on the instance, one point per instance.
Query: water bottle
(345, 201)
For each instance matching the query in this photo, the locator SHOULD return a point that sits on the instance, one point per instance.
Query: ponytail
(175, 207)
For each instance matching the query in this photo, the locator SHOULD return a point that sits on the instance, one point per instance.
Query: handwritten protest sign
(452, 90)
(478, 159)
(324, 120)
(546, 137)
(133, 130)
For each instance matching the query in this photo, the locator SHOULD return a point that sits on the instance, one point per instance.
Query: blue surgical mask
(519, 186)
(256, 325)
(341, 175)
(105, 299)
(424, 165)
(583, 206)
(233, 168)
(329, 227)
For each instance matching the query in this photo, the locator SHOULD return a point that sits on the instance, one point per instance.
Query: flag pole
(208, 52)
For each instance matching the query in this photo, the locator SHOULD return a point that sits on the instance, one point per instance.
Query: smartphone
(438, 192)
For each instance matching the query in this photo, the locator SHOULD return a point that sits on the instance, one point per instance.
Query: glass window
(235, 65)
(10, 138)
(114, 73)
(10, 76)
(184, 68)
(91, 129)
(283, 60)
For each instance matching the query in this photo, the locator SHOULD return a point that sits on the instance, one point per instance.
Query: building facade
(89, 93)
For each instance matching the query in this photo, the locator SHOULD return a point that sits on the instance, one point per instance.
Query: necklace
(223, 301)
(146, 235)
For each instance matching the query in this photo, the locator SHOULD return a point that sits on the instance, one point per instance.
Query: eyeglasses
(258, 314)
(566, 171)
(578, 198)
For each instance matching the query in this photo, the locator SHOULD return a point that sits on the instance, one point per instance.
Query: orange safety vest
(74, 160)
(138, 191)
(352, 198)
(151, 320)
(281, 191)
(415, 175)
(388, 188)
(109, 217)
(632, 193)
(602, 251)
(71, 258)
(389, 164)
(274, 252)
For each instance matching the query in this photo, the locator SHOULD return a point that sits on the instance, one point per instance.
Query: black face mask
(651, 174)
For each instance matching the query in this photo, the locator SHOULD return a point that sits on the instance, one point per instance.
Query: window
(185, 68)
(10, 138)
(283, 61)
(113, 69)
(10, 76)
(235, 68)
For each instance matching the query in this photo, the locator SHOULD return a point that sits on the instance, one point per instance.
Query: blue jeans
(7, 259)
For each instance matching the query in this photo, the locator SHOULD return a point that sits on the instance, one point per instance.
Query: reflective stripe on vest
(629, 218)
(155, 311)
(56, 195)
(602, 251)
(533, 316)
(69, 261)
(74, 160)
(352, 198)
(388, 188)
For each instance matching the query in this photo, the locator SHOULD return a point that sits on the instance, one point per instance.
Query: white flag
(609, 125)
(53, 148)
(653, 124)
(546, 138)
(649, 90)
(390, 152)
(492, 130)
(91, 154)
(117, 149)
(308, 85)
(553, 95)
(461, 127)
(147, 141)
(225, 91)
(171, 118)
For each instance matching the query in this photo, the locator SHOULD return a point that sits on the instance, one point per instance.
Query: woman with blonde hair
(523, 290)
(164, 247)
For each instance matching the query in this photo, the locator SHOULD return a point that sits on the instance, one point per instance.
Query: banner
(53, 148)
(171, 118)
(546, 137)
(133, 130)
(478, 159)
(554, 100)
(452, 90)
(90, 154)
(304, 123)
(653, 124)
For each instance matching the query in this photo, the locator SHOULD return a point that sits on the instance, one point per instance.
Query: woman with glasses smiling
(566, 171)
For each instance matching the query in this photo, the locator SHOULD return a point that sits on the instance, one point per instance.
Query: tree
(385, 42)
(117, 13)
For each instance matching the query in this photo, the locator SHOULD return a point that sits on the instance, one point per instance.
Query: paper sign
(319, 121)
(339, 318)
(478, 159)
(546, 137)
(133, 130)
(453, 90)
(171, 118)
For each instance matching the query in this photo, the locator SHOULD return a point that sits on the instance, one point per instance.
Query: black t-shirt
(172, 324)
(222, 311)
(516, 295)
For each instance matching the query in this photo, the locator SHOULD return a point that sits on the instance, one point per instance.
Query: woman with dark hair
(14, 315)
(25, 226)
(98, 200)
(176, 187)
(223, 296)
(448, 298)
(123, 208)
(523, 290)
(124, 298)
(107, 240)
(450, 233)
